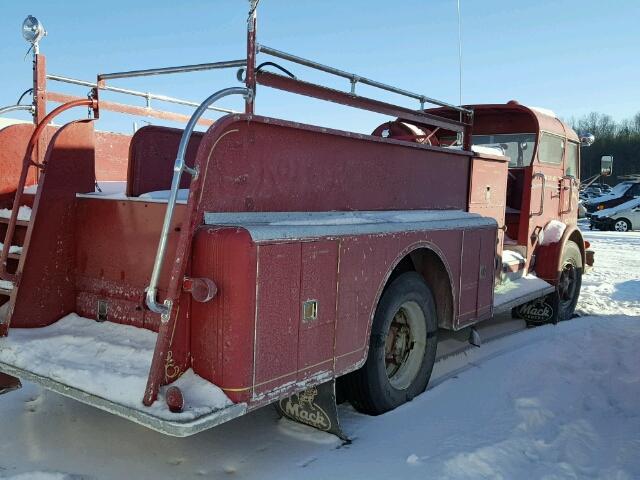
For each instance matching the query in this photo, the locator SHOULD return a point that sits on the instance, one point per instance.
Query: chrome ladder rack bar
(353, 78)
(168, 70)
(12, 108)
(136, 93)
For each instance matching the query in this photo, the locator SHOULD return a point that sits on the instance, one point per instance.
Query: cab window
(571, 160)
(517, 146)
(550, 149)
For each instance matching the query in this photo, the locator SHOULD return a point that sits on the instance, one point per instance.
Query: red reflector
(587, 244)
(175, 400)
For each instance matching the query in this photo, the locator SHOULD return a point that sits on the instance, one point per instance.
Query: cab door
(547, 183)
(569, 185)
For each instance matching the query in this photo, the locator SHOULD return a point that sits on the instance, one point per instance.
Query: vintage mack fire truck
(262, 259)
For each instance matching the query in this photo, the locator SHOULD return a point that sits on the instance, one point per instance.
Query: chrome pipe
(354, 79)
(180, 166)
(13, 108)
(167, 70)
(136, 93)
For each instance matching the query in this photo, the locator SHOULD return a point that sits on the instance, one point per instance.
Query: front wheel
(569, 281)
(402, 348)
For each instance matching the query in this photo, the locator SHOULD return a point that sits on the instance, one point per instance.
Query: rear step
(106, 365)
(19, 223)
(6, 287)
(513, 265)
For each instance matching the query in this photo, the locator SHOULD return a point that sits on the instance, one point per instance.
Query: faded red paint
(13, 141)
(222, 330)
(153, 152)
(252, 339)
(45, 284)
(274, 165)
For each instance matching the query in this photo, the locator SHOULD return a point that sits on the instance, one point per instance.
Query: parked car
(596, 191)
(622, 218)
(621, 193)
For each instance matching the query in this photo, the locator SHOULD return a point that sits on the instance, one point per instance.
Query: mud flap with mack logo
(316, 407)
(539, 311)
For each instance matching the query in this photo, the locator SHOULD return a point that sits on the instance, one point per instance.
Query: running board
(511, 294)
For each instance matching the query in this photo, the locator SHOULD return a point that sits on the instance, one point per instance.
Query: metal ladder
(9, 281)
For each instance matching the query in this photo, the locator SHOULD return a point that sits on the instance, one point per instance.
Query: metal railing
(169, 70)
(179, 167)
(355, 79)
(12, 108)
(125, 91)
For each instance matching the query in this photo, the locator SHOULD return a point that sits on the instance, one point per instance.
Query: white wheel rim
(405, 345)
(621, 226)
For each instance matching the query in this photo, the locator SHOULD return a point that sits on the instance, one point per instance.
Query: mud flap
(9, 383)
(315, 407)
(539, 311)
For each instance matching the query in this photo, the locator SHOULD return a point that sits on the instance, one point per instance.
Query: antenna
(459, 55)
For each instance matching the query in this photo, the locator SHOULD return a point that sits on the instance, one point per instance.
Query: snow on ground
(565, 406)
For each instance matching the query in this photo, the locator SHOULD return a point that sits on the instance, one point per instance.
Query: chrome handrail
(180, 166)
(168, 70)
(125, 91)
(12, 108)
(355, 79)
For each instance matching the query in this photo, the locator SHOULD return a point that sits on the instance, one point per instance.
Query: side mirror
(586, 139)
(606, 165)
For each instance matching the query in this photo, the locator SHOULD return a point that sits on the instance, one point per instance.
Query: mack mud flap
(315, 407)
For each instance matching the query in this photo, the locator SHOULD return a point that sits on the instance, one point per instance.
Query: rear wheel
(402, 348)
(622, 225)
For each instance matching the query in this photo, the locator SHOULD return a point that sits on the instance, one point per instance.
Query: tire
(621, 225)
(402, 348)
(569, 281)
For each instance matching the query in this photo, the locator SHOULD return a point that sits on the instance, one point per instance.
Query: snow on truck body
(295, 254)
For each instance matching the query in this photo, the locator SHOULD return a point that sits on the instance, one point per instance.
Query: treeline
(620, 139)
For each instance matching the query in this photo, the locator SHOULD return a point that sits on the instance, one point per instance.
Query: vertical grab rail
(164, 309)
(571, 179)
(541, 209)
(167, 319)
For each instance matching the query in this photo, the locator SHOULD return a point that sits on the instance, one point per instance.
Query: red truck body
(300, 228)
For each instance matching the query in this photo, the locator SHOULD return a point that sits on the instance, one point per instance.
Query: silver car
(622, 218)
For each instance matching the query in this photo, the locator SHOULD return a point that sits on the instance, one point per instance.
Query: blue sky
(573, 56)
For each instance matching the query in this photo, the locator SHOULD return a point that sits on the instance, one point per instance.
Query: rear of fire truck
(263, 259)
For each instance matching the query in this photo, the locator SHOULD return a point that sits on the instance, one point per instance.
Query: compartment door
(318, 286)
(476, 276)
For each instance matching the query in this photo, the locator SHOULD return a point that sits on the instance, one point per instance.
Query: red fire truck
(263, 259)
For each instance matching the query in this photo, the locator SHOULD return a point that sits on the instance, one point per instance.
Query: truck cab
(543, 175)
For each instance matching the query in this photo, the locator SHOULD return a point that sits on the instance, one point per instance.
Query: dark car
(621, 193)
